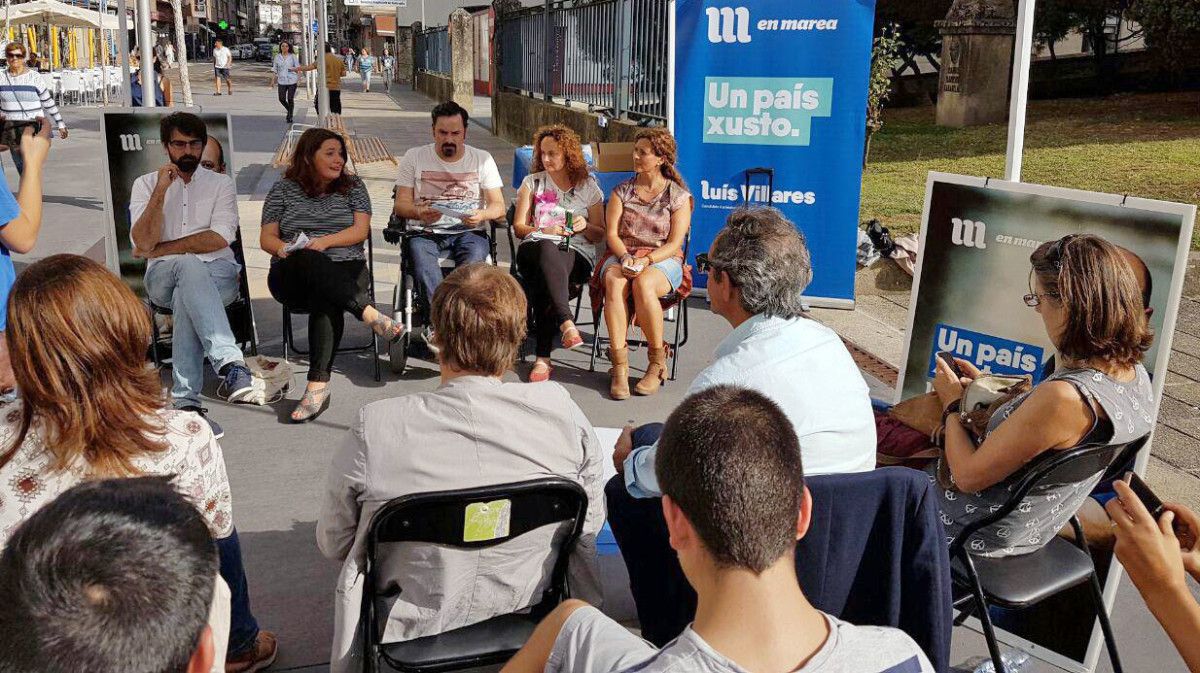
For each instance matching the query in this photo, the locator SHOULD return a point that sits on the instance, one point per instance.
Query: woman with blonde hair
(91, 408)
(559, 217)
(648, 218)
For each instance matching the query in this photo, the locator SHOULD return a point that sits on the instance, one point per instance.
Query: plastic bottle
(1015, 661)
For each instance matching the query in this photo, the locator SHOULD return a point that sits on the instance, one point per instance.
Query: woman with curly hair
(558, 202)
(324, 273)
(647, 222)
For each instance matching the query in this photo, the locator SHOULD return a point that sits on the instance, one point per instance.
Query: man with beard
(184, 218)
(452, 189)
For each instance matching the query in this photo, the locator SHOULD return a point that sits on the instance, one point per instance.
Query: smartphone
(948, 358)
(1152, 502)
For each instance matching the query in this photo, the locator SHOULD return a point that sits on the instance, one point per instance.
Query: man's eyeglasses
(1034, 299)
(186, 144)
(704, 264)
(210, 165)
(14, 55)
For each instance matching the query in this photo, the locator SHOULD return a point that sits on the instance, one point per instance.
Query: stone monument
(977, 44)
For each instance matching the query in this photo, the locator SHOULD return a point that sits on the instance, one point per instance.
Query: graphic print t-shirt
(458, 186)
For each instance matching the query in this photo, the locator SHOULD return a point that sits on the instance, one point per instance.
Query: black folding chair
(440, 518)
(1015, 582)
(575, 291)
(680, 319)
(289, 337)
(240, 314)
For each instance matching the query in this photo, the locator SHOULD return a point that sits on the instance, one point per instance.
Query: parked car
(265, 52)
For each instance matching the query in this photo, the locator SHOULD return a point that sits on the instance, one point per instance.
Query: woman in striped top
(24, 97)
(327, 276)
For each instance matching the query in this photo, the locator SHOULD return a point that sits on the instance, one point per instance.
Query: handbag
(272, 378)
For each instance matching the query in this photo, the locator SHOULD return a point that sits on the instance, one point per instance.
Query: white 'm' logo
(969, 233)
(131, 142)
(726, 24)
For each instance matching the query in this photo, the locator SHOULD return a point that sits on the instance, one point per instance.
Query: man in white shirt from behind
(758, 267)
(184, 218)
(735, 504)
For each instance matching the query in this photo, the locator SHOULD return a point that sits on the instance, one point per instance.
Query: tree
(181, 48)
(885, 56)
(915, 20)
(1053, 20)
(1172, 32)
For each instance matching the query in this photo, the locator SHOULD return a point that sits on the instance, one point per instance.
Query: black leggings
(307, 280)
(549, 273)
(287, 98)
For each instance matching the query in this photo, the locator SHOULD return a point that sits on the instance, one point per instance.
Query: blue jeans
(464, 248)
(197, 293)
(243, 628)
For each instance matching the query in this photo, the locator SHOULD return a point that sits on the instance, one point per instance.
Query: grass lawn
(1145, 145)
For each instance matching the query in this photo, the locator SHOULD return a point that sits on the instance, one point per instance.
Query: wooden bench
(368, 149)
(283, 155)
(335, 123)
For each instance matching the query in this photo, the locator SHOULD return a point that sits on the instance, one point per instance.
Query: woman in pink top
(648, 219)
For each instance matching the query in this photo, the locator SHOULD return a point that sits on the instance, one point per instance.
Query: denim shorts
(671, 268)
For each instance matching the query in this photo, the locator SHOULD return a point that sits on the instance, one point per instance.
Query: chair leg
(989, 633)
(679, 320)
(596, 337)
(375, 352)
(287, 333)
(1105, 625)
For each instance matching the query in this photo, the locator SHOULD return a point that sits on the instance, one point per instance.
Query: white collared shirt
(802, 366)
(209, 201)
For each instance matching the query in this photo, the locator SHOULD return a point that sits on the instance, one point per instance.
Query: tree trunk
(181, 49)
(867, 148)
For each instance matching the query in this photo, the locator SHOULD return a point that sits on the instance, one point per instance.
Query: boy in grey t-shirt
(735, 504)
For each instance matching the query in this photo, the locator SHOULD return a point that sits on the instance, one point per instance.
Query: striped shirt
(25, 97)
(295, 211)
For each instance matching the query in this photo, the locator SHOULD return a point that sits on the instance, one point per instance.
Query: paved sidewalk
(277, 469)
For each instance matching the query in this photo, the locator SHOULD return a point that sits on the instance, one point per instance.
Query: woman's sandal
(309, 407)
(387, 328)
(572, 339)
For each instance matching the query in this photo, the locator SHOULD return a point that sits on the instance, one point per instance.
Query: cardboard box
(612, 157)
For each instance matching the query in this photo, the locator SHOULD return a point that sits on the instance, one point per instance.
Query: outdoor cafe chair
(443, 518)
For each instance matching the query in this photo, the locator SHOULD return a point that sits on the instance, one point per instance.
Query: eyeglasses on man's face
(16, 54)
(186, 144)
(210, 165)
(704, 264)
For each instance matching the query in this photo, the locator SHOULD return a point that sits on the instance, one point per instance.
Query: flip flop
(387, 328)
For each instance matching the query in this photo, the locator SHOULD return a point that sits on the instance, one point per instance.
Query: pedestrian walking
(284, 69)
(170, 56)
(222, 62)
(366, 63)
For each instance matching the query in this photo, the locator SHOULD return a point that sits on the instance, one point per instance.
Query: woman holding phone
(1090, 302)
(558, 184)
(24, 101)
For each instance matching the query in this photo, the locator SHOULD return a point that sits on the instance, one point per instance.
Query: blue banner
(778, 85)
(991, 354)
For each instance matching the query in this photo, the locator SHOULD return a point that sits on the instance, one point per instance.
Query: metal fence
(608, 54)
(432, 50)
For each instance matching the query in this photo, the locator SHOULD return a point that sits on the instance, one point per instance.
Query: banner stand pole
(1019, 96)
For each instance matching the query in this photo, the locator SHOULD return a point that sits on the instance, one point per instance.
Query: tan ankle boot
(656, 373)
(618, 388)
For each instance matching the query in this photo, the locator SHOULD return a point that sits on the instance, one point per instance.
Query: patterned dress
(192, 456)
(1048, 506)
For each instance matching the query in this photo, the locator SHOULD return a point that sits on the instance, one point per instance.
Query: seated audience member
(1091, 304)
(1159, 555)
(647, 221)
(456, 437)
(213, 157)
(735, 504)
(112, 576)
(23, 222)
(452, 175)
(558, 183)
(328, 277)
(184, 218)
(90, 408)
(757, 267)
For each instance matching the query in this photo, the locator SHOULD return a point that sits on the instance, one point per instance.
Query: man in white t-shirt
(452, 189)
(735, 503)
(222, 61)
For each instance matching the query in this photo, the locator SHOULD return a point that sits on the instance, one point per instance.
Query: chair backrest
(71, 81)
(1052, 467)
(476, 518)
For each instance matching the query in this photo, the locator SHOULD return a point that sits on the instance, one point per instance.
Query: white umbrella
(60, 14)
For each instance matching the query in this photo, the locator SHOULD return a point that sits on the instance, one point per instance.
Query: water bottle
(1015, 661)
(565, 243)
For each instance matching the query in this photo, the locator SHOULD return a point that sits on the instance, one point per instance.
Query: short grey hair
(767, 259)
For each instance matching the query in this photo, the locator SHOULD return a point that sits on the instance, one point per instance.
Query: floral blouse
(192, 456)
(647, 225)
